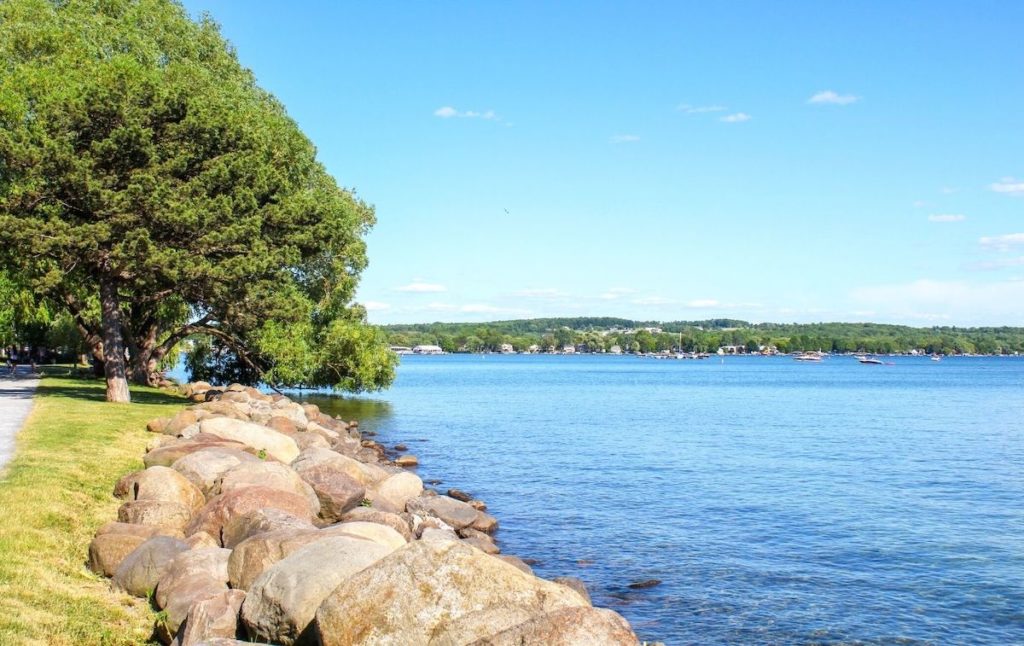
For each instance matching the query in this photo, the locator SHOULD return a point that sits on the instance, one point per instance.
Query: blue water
(778, 502)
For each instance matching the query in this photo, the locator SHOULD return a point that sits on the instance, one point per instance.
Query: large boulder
(326, 458)
(183, 420)
(567, 627)
(192, 576)
(282, 424)
(370, 515)
(456, 513)
(160, 483)
(107, 551)
(216, 513)
(204, 467)
(437, 592)
(169, 517)
(277, 445)
(250, 558)
(170, 452)
(145, 531)
(282, 602)
(305, 440)
(290, 411)
(400, 488)
(374, 532)
(336, 491)
(259, 521)
(221, 409)
(273, 475)
(139, 572)
(214, 617)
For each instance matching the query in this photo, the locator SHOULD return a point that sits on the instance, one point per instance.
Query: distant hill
(601, 334)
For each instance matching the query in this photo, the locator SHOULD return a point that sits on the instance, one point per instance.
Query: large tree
(151, 188)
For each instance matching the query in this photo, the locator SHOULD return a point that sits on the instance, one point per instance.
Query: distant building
(427, 349)
(568, 349)
(615, 349)
(506, 348)
(401, 349)
(533, 349)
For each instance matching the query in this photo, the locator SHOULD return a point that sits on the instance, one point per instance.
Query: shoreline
(265, 510)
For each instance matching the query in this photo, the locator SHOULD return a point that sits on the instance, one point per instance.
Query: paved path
(15, 403)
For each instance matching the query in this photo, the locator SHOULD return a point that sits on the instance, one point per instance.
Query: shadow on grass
(92, 389)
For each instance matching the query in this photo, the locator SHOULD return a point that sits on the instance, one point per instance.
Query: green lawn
(54, 494)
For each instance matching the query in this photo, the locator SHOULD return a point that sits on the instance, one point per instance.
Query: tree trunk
(113, 344)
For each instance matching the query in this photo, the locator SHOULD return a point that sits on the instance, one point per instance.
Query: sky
(786, 162)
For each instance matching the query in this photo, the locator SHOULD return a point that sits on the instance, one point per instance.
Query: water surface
(779, 502)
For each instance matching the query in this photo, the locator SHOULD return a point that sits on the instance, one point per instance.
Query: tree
(151, 188)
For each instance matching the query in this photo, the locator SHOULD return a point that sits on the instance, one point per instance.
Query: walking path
(15, 402)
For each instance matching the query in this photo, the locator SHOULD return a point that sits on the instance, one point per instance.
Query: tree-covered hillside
(600, 334)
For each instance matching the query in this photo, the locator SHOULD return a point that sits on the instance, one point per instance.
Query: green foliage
(707, 336)
(136, 152)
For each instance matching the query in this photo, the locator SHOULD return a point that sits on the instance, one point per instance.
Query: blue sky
(799, 161)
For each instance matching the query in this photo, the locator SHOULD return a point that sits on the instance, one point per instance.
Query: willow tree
(151, 188)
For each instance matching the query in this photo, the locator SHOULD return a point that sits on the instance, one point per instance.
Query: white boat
(869, 360)
(807, 356)
(936, 357)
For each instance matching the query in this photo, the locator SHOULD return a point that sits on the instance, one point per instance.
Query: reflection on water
(370, 413)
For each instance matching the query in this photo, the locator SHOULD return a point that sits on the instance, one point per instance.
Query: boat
(807, 356)
(936, 357)
(869, 360)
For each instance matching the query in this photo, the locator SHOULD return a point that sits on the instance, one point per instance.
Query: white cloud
(623, 139)
(828, 97)
(448, 112)
(376, 306)
(1002, 243)
(962, 302)
(615, 293)
(652, 300)
(948, 190)
(702, 303)
(420, 287)
(686, 108)
(738, 117)
(1009, 186)
(919, 204)
(949, 217)
(992, 265)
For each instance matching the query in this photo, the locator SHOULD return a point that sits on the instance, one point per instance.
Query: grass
(54, 494)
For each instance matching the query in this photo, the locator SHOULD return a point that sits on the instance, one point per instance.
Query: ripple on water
(777, 502)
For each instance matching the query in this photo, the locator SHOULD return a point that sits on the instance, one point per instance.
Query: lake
(777, 501)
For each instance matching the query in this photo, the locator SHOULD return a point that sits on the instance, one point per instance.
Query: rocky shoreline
(261, 518)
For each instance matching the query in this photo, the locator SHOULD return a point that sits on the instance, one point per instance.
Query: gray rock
(259, 521)
(261, 438)
(567, 627)
(107, 551)
(337, 491)
(140, 571)
(212, 620)
(455, 513)
(205, 467)
(282, 602)
(193, 576)
(437, 592)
